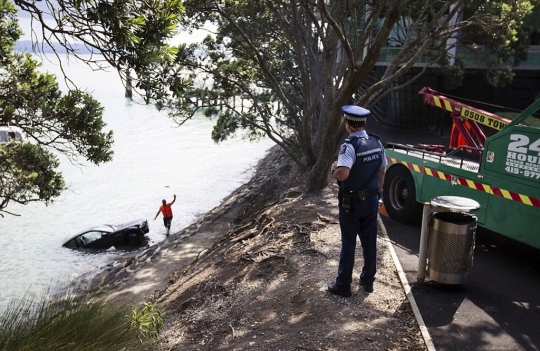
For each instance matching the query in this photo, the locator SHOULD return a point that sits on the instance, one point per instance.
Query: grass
(76, 322)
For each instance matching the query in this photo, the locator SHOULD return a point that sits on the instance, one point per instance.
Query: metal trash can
(447, 239)
(451, 247)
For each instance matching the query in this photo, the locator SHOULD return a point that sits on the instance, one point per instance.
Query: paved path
(498, 308)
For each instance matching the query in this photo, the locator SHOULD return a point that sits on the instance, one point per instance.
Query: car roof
(102, 228)
(111, 227)
(10, 128)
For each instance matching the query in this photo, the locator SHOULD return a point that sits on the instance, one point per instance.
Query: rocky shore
(251, 274)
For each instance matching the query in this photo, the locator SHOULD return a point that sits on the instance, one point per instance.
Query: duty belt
(362, 195)
(345, 197)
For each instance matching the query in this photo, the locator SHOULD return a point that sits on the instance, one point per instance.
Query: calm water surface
(153, 159)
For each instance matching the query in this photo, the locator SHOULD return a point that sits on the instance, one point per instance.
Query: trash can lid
(455, 203)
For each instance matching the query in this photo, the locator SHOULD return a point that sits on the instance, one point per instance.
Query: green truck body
(505, 180)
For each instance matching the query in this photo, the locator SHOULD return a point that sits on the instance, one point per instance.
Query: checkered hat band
(354, 119)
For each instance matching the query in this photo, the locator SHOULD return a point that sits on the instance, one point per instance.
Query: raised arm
(174, 199)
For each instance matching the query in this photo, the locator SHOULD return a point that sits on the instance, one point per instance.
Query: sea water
(153, 160)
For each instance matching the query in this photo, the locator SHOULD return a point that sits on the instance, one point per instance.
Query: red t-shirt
(166, 210)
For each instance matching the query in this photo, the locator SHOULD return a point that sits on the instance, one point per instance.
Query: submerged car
(9, 134)
(105, 236)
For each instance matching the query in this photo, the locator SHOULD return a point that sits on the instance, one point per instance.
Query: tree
(130, 36)
(284, 68)
(70, 124)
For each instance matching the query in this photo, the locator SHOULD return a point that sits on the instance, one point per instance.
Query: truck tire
(399, 196)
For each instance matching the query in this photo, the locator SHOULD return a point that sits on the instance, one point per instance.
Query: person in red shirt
(167, 213)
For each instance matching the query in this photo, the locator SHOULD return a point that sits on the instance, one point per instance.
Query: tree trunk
(318, 175)
(333, 131)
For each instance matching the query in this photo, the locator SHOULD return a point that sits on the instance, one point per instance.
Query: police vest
(364, 174)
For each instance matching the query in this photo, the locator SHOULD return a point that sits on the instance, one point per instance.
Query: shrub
(68, 321)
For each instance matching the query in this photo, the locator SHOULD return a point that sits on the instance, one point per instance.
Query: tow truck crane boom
(465, 119)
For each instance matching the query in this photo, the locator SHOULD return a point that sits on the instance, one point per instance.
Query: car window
(7, 136)
(89, 237)
(72, 244)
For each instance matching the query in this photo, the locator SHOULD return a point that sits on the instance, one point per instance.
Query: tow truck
(501, 172)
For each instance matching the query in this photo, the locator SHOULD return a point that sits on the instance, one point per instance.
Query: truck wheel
(399, 195)
(132, 239)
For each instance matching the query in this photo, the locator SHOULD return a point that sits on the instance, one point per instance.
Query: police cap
(355, 113)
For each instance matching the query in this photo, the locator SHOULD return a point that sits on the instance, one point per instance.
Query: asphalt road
(497, 308)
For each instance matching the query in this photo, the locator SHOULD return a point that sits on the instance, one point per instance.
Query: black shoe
(333, 289)
(367, 287)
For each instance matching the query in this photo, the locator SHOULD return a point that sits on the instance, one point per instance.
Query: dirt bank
(252, 273)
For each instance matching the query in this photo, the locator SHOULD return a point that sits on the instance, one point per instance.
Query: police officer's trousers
(362, 222)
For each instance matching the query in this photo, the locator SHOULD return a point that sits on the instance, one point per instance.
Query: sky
(196, 36)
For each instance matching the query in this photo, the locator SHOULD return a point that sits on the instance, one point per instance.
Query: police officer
(359, 170)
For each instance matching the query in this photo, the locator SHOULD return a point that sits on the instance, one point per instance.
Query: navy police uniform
(364, 155)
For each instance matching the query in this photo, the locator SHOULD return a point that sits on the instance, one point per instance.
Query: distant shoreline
(28, 46)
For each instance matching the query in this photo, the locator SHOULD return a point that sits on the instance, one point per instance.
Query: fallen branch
(261, 256)
(326, 219)
(272, 257)
(302, 230)
(251, 234)
(246, 235)
(233, 332)
(240, 228)
(177, 341)
(314, 251)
